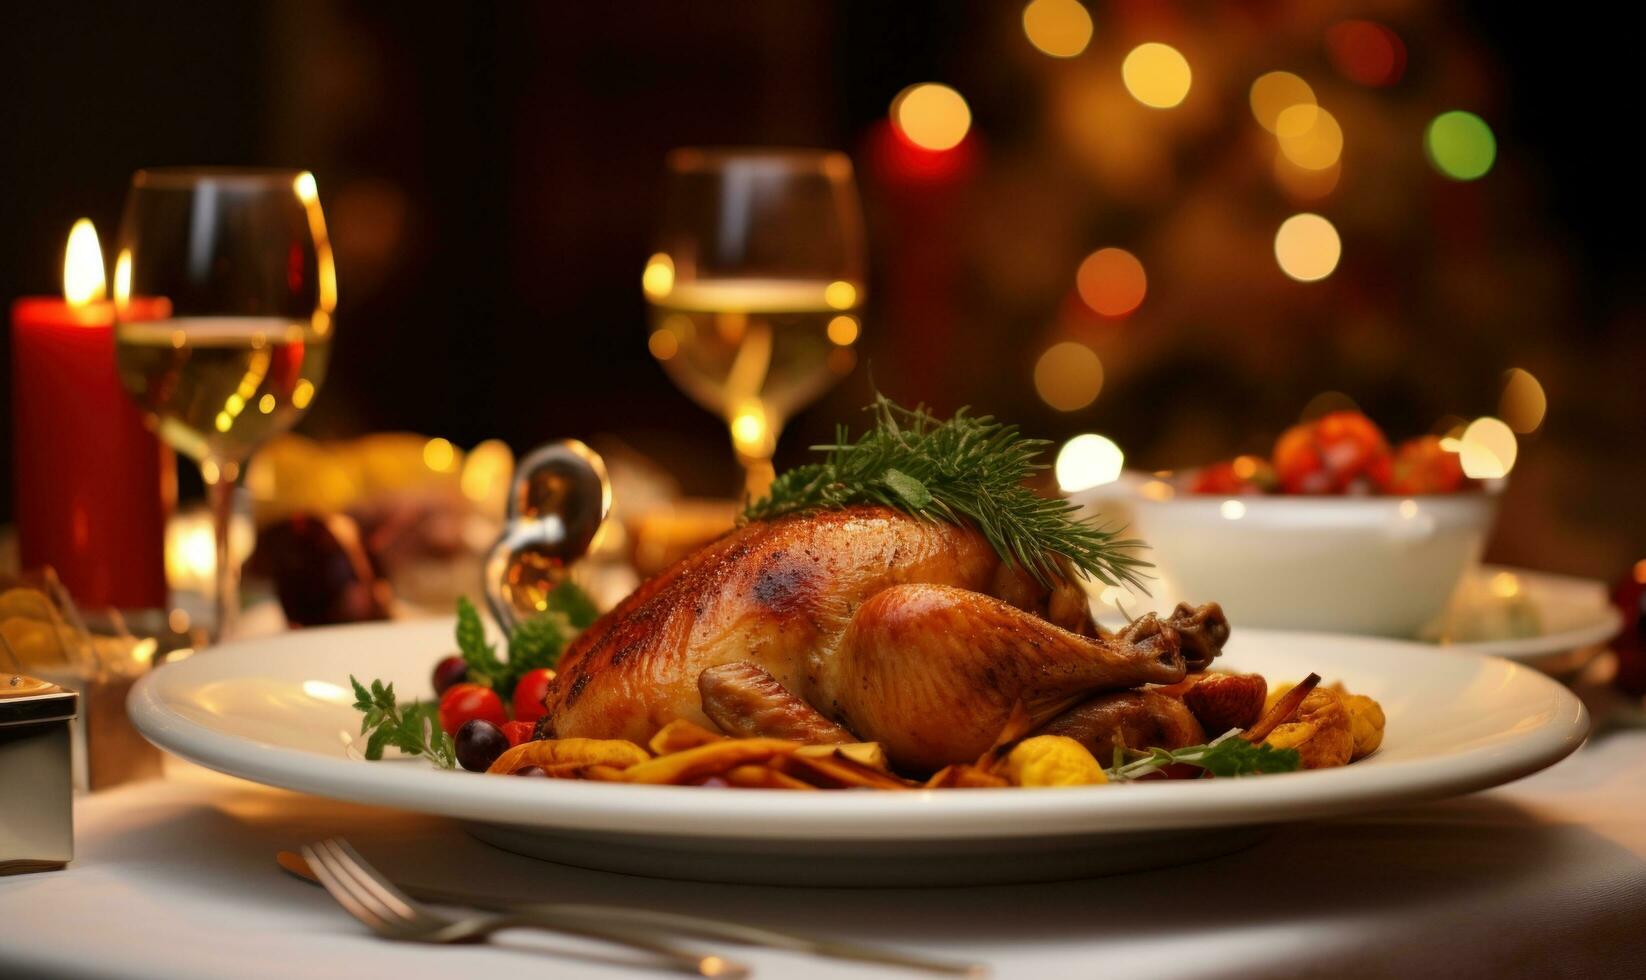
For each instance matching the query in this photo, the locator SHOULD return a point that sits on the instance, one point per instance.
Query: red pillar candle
(87, 474)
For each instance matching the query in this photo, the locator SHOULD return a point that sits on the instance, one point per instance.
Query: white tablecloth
(176, 879)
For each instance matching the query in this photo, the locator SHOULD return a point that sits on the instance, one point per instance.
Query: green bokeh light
(1460, 145)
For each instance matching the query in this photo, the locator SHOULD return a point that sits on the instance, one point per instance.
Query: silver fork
(371, 898)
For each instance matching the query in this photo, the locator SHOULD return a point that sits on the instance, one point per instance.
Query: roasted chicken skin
(900, 630)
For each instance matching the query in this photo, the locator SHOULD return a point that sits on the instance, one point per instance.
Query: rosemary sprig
(1226, 755)
(966, 470)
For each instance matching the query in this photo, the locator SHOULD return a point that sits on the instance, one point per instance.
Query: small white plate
(277, 711)
(1563, 616)
(1555, 623)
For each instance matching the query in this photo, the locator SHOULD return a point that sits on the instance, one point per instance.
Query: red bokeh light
(1366, 52)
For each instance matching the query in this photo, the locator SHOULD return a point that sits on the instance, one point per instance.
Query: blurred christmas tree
(1185, 225)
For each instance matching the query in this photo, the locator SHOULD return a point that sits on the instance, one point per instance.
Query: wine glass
(224, 290)
(755, 286)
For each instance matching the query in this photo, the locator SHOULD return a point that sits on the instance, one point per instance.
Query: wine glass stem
(221, 478)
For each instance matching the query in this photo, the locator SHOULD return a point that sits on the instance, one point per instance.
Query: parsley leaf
(413, 728)
(485, 667)
(572, 602)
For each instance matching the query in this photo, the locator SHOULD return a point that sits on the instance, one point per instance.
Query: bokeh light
(657, 281)
(663, 344)
(1112, 282)
(1487, 449)
(1460, 145)
(1274, 93)
(931, 116)
(1366, 52)
(1156, 75)
(1523, 403)
(1060, 28)
(842, 330)
(1087, 461)
(439, 454)
(1307, 247)
(840, 294)
(1068, 376)
(1309, 136)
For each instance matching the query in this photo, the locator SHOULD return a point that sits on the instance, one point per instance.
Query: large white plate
(277, 711)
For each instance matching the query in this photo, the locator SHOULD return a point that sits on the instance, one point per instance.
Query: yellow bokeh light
(303, 393)
(1523, 402)
(304, 186)
(487, 469)
(1060, 28)
(1276, 92)
(83, 265)
(840, 295)
(1310, 137)
(1487, 449)
(932, 116)
(663, 344)
(1156, 75)
(1112, 282)
(1087, 461)
(1307, 247)
(439, 454)
(1068, 376)
(752, 434)
(266, 404)
(658, 279)
(842, 330)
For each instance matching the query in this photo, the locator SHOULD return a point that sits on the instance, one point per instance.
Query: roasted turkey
(862, 623)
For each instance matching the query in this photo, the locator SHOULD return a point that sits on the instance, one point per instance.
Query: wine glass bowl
(755, 286)
(224, 292)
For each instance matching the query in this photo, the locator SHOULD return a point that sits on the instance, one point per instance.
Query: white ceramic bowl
(1383, 566)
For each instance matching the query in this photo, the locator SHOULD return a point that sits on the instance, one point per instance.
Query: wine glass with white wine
(755, 287)
(224, 290)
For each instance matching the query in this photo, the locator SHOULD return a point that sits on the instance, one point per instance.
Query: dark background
(490, 177)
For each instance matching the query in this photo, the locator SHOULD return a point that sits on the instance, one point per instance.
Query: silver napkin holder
(36, 778)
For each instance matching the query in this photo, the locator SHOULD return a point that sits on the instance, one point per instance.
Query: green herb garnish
(538, 642)
(1228, 755)
(968, 469)
(412, 728)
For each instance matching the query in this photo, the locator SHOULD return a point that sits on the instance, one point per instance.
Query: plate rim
(693, 812)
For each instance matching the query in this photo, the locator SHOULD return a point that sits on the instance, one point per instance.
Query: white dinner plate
(278, 711)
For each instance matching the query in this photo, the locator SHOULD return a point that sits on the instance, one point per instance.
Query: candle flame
(83, 265)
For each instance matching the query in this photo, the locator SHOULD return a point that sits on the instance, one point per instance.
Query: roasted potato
(1052, 760)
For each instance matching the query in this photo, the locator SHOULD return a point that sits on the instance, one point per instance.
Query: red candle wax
(88, 476)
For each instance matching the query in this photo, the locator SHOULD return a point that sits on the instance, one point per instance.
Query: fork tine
(375, 887)
(405, 919)
(342, 894)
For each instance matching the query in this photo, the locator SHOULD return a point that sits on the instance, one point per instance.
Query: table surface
(176, 878)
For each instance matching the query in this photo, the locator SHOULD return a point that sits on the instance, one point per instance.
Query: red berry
(529, 693)
(449, 671)
(1342, 452)
(1239, 476)
(466, 702)
(518, 731)
(1421, 466)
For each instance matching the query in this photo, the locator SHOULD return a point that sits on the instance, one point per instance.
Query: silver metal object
(685, 925)
(558, 499)
(36, 777)
(367, 895)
